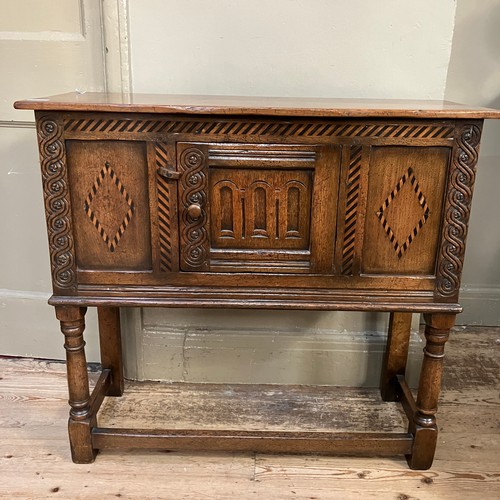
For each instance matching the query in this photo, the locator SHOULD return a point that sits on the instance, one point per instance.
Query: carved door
(249, 208)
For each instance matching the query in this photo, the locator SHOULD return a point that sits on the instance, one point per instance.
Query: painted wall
(342, 48)
(46, 47)
(474, 77)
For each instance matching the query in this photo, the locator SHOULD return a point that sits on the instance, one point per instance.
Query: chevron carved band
(238, 128)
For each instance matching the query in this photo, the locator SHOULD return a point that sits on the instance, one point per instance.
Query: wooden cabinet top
(267, 106)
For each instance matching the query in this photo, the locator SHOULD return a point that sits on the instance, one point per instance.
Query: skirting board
(481, 306)
(158, 346)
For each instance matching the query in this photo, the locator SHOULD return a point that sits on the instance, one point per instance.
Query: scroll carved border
(194, 235)
(57, 202)
(457, 210)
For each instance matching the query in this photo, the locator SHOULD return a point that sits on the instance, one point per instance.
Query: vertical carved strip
(166, 199)
(461, 179)
(57, 202)
(164, 227)
(351, 214)
(194, 234)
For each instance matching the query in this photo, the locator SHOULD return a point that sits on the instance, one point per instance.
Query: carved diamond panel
(108, 192)
(401, 245)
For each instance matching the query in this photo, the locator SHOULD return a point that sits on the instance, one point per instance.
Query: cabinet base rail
(355, 443)
(334, 443)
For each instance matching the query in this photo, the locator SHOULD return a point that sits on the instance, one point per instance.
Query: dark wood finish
(268, 106)
(405, 195)
(100, 391)
(81, 417)
(114, 225)
(407, 401)
(437, 331)
(396, 355)
(272, 203)
(354, 443)
(110, 342)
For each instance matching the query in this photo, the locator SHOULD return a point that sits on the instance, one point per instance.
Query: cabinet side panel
(109, 194)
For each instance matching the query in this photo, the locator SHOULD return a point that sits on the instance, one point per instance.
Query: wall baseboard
(481, 306)
(259, 356)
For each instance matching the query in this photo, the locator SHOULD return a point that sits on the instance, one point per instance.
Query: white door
(46, 47)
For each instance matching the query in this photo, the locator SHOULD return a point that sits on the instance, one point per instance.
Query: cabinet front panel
(109, 198)
(248, 208)
(404, 206)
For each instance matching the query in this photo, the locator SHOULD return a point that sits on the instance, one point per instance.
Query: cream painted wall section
(342, 48)
(474, 77)
(46, 47)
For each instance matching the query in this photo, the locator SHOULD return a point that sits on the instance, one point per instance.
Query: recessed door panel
(248, 208)
(268, 209)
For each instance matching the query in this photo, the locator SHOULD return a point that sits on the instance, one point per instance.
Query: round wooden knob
(194, 211)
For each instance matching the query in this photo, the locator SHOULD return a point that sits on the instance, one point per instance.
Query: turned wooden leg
(111, 347)
(396, 355)
(81, 420)
(437, 331)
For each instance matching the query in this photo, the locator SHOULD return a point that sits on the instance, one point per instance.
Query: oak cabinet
(178, 201)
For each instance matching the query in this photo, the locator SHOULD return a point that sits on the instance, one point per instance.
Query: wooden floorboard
(35, 458)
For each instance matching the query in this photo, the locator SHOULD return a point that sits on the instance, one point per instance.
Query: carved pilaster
(57, 202)
(194, 235)
(461, 179)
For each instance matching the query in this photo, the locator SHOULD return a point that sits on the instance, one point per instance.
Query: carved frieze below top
(57, 203)
(457, 210)
(259, 128)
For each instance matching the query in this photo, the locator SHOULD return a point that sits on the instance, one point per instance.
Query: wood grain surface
(35, 462)
(277, 106)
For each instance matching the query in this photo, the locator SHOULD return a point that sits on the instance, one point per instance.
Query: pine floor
(35, 460)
